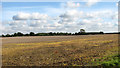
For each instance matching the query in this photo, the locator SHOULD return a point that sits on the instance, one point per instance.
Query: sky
(59, 0)
(68, 16)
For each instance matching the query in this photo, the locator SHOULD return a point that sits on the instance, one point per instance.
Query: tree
(3, 35)
(26, 34)
(82, 31)
(15, 34)
(50, 33)
(32, 33)
(101, 32)
(8, 35)
(19, 34)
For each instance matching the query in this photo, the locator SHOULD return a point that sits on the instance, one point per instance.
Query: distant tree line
(36, 34)
(82, 32)
(48, 34)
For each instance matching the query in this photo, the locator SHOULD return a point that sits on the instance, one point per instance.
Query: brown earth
(57, 50)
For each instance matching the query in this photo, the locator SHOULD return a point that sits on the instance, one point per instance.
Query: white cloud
(38, 16)
(71, 4)
(117, 4)
(115, 16)
(28, 16)
(22, 16)
(91, 2)
(70, 16)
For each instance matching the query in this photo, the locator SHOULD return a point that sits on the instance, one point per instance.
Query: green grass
(113, 61)
(108, 61)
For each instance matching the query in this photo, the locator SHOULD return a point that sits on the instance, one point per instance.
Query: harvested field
(83, 50)
(37, 39)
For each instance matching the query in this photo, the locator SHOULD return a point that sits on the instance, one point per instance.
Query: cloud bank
(72, 20)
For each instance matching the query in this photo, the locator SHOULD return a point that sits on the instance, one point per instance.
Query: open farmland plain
(81, 50)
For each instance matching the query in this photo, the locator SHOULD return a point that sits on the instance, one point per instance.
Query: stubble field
(83, 50)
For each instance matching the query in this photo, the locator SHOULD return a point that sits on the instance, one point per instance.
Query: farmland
(81, 50)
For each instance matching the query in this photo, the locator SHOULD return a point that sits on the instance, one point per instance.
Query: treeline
(88, 33)
(54, 34)
(35, 34)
